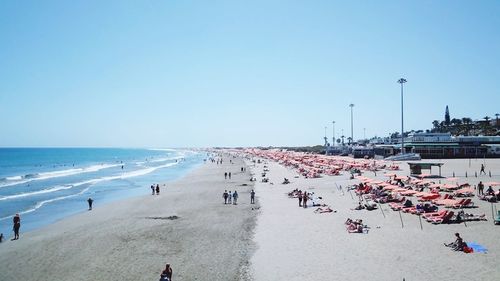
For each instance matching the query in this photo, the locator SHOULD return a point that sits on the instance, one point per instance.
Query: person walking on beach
(224, 195)
(304, 200)
(157, 189)
(235, 197)
(229, 175)
(480, 188)
(152, 189)
(90, 201)
(229, 197)
(166, 274)
(482, 170)
(225, 175)
(300, 198)
(17, 225)
(252, 197)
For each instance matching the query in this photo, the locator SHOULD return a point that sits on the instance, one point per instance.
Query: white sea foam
(15, 180)
(43, 191)
(89, 182)
(40, 204)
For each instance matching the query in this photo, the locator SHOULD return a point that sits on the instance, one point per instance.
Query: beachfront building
(443, 145)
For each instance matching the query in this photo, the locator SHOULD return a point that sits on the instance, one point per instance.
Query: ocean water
(44, 185)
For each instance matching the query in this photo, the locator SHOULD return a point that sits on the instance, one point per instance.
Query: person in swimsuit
(17, 225)
(166, 274)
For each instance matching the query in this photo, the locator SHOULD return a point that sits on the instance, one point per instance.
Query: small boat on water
(404, 157)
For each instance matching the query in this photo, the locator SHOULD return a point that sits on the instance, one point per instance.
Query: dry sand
(297, 244)
(133, 239)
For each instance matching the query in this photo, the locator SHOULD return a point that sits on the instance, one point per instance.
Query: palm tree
(349, 140)
(467, 125)
(455, 125)
(486, 118)
(435, 123)
(342, 137)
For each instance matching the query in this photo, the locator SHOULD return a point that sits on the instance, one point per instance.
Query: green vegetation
(466, 126)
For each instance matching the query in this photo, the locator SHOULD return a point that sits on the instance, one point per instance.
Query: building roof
(425, 164)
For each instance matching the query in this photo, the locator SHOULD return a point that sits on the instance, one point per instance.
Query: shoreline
(62, 192)
(186, 225)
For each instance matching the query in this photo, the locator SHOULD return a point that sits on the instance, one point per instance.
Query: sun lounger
(444, 219)
(437, 217)
(408, 209)
(464, 203)
(429, 197)
(434, 214)
(396, 206)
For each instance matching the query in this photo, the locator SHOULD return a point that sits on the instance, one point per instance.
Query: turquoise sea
(47, 184)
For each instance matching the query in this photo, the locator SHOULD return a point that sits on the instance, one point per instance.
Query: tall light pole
(402, 81)
(352, 135)
(333, 136)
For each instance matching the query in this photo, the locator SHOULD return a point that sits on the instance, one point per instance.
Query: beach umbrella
(446, 202)
(452, 179)
(465, 190)
(492, 183)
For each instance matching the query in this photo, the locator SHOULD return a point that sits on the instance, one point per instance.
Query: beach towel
(477, 247)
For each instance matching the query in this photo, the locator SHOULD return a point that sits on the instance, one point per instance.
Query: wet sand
(187, 225)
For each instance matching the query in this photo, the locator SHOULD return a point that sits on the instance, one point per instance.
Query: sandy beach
(133, 239)
(297, 244)
(272, 240)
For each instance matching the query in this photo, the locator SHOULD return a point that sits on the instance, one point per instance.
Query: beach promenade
(187, 225)
(298, 244)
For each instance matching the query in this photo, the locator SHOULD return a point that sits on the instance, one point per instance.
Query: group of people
(232, 198)
(369, 206)
(304, 197)
(155, 189)
(355, 226)
(226, 175)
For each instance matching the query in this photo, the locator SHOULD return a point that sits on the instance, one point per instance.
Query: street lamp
(352, 136)
(333, 129)
(402, 81)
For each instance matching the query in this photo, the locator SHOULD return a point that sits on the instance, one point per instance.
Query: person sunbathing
(321, 210)
(354, 226)
(370, 206)
(463, 216)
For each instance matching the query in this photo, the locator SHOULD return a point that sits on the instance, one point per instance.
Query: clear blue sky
(239, 73)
